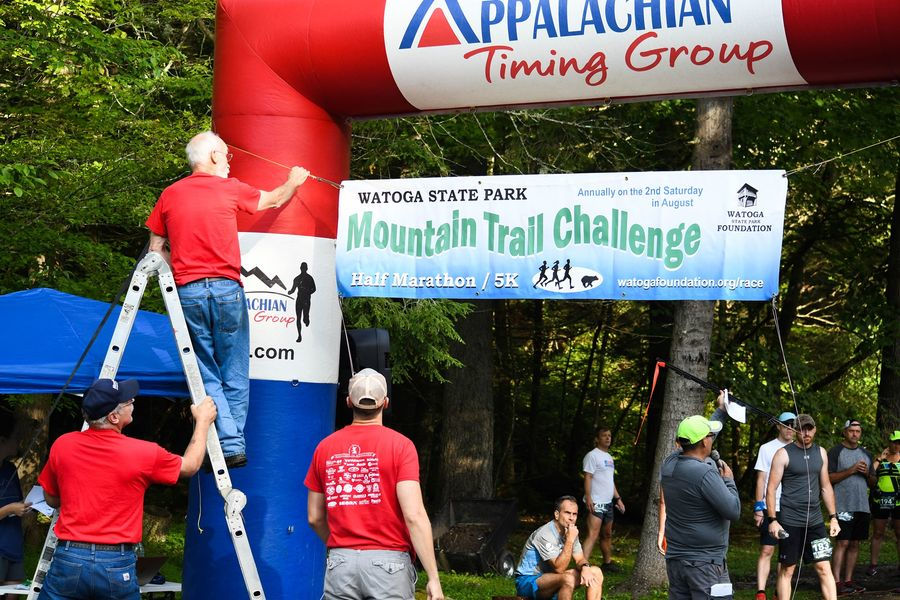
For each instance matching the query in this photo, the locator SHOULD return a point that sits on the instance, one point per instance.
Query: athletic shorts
(11, 570)
(605, 512)
(855, 528)
(698, 580)
(816, 549)
(527, 586)
(369, 574)
(885, 507)
(765, 538)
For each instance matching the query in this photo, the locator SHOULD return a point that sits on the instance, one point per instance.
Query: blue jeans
(81, 573)
(216, 316)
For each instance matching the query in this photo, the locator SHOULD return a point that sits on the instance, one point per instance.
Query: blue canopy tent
(45, 331)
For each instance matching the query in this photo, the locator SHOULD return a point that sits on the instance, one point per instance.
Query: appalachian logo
(444, 22)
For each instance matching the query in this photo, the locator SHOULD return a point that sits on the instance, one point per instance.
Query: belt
(208, 279)
(90, 546)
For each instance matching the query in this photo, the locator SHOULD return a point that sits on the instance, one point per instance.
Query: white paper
(38, 503)
(736, 411)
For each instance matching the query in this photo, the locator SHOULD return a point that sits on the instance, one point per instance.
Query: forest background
(98, 97)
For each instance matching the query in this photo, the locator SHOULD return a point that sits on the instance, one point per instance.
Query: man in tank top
(801, 468)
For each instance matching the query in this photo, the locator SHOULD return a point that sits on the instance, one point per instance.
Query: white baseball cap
(368, 389)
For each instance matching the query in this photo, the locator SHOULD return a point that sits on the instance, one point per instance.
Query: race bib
(821, 548)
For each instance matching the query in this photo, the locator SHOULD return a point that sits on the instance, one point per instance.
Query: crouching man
(543, 570)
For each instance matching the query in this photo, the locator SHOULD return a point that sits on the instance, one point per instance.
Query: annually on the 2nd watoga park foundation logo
(747, 217)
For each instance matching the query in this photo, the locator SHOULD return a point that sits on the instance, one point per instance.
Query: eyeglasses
(124, 404)
(228, 155)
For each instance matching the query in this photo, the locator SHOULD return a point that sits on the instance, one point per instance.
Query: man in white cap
(701, 501)
(365, 503)
(767, 543)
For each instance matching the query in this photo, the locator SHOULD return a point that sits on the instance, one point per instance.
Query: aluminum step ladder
(235, 500)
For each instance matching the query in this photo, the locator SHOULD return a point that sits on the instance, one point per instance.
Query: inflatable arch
(290, 73)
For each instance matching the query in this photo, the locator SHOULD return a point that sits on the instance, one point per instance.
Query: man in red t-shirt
(197, 218)
(365, 503)
(97, 478)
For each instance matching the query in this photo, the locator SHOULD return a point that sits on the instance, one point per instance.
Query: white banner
(293, 307)
(463, 53)
(663, 235)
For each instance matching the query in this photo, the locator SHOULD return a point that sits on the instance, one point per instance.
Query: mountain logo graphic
(262, 277)
(435, 26)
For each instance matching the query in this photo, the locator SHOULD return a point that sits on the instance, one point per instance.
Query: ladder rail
(235, 500)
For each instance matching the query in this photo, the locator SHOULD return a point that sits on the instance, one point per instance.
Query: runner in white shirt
(763, 463)
(601, 496)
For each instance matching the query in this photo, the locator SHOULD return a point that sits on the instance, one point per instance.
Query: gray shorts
(605, 512)
(355, 574)
(698, 580)
(11, 570)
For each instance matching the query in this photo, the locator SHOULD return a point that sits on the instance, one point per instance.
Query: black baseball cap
(105, 395)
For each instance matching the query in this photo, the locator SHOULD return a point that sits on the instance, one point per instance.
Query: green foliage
(421, 332)
(97, 98)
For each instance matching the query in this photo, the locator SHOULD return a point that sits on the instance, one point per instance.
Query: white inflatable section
(462, 53)
(277, 290)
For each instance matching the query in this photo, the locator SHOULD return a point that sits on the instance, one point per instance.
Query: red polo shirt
(100, 477)
(198, 214)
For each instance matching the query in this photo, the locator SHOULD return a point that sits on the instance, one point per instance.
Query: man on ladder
(97, 478)
(197, 217)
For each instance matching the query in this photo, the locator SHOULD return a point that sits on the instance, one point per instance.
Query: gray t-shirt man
(852, 494)
(545, 543)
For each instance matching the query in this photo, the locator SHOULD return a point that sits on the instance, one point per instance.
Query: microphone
(714, 454)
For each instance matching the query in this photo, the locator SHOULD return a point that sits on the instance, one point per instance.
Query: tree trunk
(505, 401)
(37, 437)
(538, 341)
(888, 415)
(468, 412)
(659, 315)
(577, 428)
(607, 319)
(691, 338)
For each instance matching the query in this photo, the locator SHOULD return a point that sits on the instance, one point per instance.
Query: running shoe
(610, 567)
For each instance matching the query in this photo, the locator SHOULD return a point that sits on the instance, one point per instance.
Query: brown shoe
(236, 461)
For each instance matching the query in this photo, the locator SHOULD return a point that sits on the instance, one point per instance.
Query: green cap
(895, 437)
(695, 428)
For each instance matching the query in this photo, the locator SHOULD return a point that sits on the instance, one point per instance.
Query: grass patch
(742, 556)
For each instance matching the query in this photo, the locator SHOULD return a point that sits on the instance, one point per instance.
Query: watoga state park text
(570, 226)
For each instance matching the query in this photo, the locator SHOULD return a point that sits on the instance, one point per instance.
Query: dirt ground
(883, 586)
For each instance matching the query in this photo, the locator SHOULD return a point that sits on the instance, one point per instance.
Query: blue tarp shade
(45, 331)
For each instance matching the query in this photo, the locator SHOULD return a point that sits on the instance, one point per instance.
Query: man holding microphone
(701, 501)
